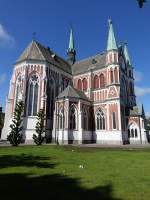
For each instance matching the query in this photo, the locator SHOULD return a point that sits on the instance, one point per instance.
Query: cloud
(2, 78)
(6, 40)
(138, 76)
(139, 91)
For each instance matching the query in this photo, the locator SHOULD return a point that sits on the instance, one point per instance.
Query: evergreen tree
(15, 135)
(40, 128)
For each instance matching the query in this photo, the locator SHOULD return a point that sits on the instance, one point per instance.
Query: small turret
(71, 50)
(126, 54)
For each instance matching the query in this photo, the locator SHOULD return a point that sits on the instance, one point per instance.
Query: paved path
(106, 146)
(129, 146)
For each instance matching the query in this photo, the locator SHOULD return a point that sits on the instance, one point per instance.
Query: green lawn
(54, 172)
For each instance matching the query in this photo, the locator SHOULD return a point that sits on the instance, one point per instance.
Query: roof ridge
(99, 54)
(52, 52)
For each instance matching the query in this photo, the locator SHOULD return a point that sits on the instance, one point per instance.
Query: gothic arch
(73, 123)
(18, 88)
(102, 80)
(84, 81)
(133, 130)
(96, 82)
(33, 94)
(85, 118)
(79, 84)
(100, 119)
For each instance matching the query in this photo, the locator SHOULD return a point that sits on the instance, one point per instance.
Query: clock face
(122, 62)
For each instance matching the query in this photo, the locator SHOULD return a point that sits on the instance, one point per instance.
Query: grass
(56, 172)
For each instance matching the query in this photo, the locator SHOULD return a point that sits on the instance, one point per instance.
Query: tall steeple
(111, 43)
(71, 50)
(126, 54)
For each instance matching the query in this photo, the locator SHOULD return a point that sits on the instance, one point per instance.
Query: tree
(40, 128)
(141, 3)
(15, 135)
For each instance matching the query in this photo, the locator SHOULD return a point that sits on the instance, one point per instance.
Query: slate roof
(137, 110)
(94, 62)
(71, 92)
(36, 51)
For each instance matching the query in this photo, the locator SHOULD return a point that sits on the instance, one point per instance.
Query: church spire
(71, 41)
(126, 54)
(71, 50)
(111, 43)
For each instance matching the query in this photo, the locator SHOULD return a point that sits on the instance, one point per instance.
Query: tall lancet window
(73, 118)
(114, 120)
(33, 95)
(100, 120)
(85, 119)
(18, 95)
(61, 119)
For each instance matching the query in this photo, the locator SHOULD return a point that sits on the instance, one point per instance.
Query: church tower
(71, 50)
(113, 71)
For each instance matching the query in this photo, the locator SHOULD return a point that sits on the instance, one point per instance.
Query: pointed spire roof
(71, 42)
(111, 43)
(126, 54)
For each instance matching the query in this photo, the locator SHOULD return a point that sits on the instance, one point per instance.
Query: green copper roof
(126, 54)
(71, 42)
(111, 43)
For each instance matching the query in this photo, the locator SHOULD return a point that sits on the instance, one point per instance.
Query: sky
(52, 19)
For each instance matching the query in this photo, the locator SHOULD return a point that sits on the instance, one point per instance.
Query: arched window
(111, 76)
(73, 118)
(96, 81)
(136, 133)
(132, 133)
(18, 95)
(102, 80)
(85, 120)
(100, 120)
(79, 84)
(61, 119)
(116, 75)
(128, 133)
(33, 95)
(114, 120)
(84, 84)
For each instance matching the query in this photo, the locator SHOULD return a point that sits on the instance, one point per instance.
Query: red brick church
(85, 101)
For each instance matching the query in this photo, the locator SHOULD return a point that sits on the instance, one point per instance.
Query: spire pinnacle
(111, 43)
(71, 42)
(126, 54)
(71, 50)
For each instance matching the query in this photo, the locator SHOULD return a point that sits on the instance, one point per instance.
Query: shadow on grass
(24, 160)
(24, 186)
